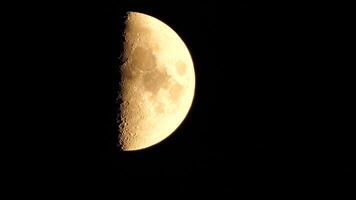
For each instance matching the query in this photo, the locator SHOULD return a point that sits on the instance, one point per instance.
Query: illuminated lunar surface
(157, 82)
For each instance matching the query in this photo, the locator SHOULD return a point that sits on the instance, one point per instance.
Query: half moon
(157, 82)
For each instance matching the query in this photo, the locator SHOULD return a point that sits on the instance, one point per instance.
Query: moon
(157, 82)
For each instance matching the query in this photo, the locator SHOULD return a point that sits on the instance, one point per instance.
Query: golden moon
(157, 82)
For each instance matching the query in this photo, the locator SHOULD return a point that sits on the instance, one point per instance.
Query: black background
(271, 108)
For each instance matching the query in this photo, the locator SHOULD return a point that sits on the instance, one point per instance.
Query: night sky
(270, 108)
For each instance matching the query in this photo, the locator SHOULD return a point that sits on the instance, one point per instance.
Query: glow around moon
(157, 82)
